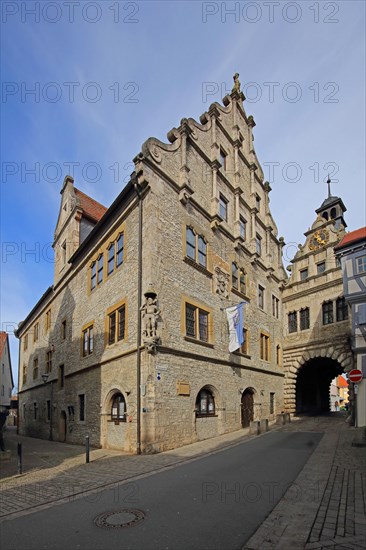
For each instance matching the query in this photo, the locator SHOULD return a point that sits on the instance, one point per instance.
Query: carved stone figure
(236, 86)
(150, 314)
(221, 282)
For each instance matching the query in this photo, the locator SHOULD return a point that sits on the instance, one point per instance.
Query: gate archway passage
(313, 384)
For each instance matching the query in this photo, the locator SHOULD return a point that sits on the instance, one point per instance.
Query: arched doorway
(62, 427)
(247, 407)
(313, 384)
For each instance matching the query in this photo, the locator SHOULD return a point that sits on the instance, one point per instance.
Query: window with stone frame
(117, 325)
(304, 274)
(205, 403)
(48, 361)
(24, 377)
(110, 261)
(222, 158)
(242, 281)
(292, 321)
(235, 275)
(275, 306)
(327, 313)
(35, 368)
(196, 247)
(244, 348)
(223, 207)
(118, 409)
(258, 244)
(341, 309)
(88, 340)
(93, 275)
(36, 332)
(320, 267)
(120, 247)
(264, 346)
(260, 297)
(48, 320)
(100, 267)
(242, 228)
(25, 342)
(196, 323)
(304, 318)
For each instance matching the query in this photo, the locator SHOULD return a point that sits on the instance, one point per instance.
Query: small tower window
(333, 213)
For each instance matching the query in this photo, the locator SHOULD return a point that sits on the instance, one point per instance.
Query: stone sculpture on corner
(150, 314)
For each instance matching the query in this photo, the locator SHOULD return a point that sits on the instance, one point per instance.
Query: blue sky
(107, 75)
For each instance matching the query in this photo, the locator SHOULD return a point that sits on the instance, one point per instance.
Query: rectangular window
(82, 407)
(292, 321)
(341, 309)
(258, 202)
(234, 276)
(120, 249)
(258, 245)
(243, 228)
(36, 332)
(271, 403)
(24, 374)
(264, 347)
(223, 159)
(110, 266)
(304, 318)
(117, 325)
(275, 306)
(245, 346)
(278, 355)
(223, 203)
(25, 342)
(100, 269)
(260, 297)
(327, 311)
(197, 323)
(93, 275)
(320, 268)
(202, 251)
(88, 340)
(190, 243)
(61, 376)
(35, 368)
(48, 361)
(361, 264)
(63, 253)
(48, 320)
(242, 281)
(63, 330)
(304, 273)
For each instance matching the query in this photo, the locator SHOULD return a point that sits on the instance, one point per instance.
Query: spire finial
(328, 182)
(236, 87)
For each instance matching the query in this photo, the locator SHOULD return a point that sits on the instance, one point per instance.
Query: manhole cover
(119, 518)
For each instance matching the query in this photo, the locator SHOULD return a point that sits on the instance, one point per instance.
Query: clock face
(319, 239)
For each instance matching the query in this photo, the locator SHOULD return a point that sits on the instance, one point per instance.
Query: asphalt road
(214, 502)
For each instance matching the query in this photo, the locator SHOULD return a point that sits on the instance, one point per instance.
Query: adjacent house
(6, 375)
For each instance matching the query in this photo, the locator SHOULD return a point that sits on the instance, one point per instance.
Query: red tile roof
(91, 208)
(341, 382)
(352, 237)
(3, 338)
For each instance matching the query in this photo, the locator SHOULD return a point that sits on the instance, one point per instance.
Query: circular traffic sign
(355, 376)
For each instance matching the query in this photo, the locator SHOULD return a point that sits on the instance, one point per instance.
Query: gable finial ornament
(236, 87)
(328, 183)
(150, 314)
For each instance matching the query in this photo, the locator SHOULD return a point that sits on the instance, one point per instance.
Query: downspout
(139, 298)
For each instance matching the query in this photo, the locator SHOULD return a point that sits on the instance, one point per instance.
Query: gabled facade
(6, 375)
(133, 334)
(352, 253)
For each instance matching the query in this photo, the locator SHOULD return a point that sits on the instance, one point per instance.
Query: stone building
(6, 374)
(130, 343)
(315, 314)
(133, 335)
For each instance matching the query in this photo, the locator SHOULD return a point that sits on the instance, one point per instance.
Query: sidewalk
(323, 509)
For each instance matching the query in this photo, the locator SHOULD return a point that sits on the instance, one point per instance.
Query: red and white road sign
(355, 376)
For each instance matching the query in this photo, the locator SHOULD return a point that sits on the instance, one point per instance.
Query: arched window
(190, 243)
(325, 215)
(205, 403)
(333, 213)
(118, 410)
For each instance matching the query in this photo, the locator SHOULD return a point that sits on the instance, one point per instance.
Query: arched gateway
(308, 380)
